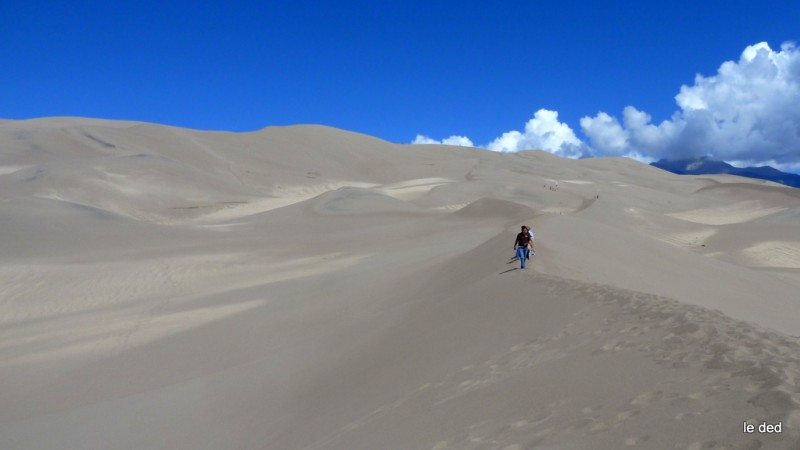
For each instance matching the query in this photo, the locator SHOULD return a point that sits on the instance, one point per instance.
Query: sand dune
(728, 214)
(775, 254)
(311, 288)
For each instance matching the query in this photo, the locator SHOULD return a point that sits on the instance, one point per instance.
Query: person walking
(521, 246)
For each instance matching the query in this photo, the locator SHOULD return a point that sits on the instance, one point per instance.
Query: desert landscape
(310, 288)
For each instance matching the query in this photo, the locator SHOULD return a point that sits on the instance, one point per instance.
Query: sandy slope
(309, 288)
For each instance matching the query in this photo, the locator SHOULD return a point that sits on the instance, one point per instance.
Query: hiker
(521, 246)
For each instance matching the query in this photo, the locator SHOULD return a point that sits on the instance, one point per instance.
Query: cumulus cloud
(543, 132)
(748, 111)
(462, 141)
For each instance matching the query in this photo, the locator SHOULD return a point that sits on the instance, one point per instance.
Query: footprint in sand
(591, 409)
(631, 330)
(541, 417)
(647, 398)
(702, 445)
(581, 423)
(715, 379)
(687, 415)
(698, 395)
(519, 424)
(626, 415)
(636, 440)
(753, 444)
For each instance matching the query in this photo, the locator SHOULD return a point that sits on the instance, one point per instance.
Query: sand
(311, 288)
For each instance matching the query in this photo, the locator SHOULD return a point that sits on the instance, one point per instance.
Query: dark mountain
(705, 166)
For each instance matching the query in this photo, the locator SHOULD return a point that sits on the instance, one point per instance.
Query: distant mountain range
(705, 166)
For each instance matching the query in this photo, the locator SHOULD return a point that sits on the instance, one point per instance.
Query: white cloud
(462, 141)
(542, 132)
(749, 110)
(420, 139)
(606, 133)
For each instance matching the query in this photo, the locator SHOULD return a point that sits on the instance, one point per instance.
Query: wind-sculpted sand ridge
(729, 214)
(355, 201)
(412, 189)
(775, 254)
(311, 288)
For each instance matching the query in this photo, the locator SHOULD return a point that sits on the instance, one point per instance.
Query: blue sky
(482, 71)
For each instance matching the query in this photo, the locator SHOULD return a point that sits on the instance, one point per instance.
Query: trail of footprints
(732, 361)
(737, 360)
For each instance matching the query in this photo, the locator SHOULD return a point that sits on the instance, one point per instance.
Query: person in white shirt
(531, 249)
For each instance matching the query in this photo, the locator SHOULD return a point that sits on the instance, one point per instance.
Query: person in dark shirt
(521, 246)
(531, 249)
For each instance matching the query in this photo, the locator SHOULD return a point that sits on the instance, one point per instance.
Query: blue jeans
(522, 255)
